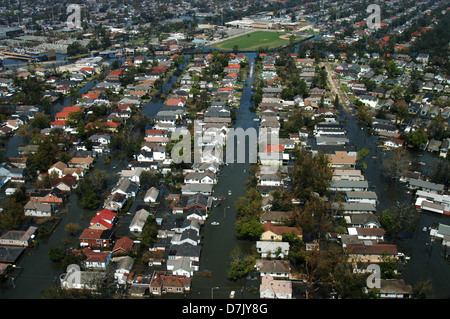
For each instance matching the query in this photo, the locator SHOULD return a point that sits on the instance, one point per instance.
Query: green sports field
(254, 40)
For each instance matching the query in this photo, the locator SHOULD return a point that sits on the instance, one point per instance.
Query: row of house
(364, 238)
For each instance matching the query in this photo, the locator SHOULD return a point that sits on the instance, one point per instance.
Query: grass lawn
(253, 41)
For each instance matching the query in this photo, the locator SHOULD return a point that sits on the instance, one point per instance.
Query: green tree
(241, 267)
(90, 200)
(400, 218)
(396, 163)
(305, 183)
(12, 215)
(56, 253)
(417, 139)
(149, 232)
(361, 158)
(249, 228)
(391, 69)
(388, 266)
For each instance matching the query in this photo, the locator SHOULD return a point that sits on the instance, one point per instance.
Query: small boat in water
(215, 223)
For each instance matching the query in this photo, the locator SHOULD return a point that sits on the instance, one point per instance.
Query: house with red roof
(64, 89)
(274, 148)
(90, 96)
(159, 70)
(65, 183)
(123, 246)
(181, 101)
(226, 89)
(155, 133)
(162, 283)
(58, 124)
(94, 259)
(87, 70)
(232, 68)
(114, 75)
(104, 219)
(65, 112)
(52, 196)
(138, 60)
(273, 232)
(112, 126)
(96, 238)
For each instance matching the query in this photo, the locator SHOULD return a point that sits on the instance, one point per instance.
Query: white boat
(215, 223)
(229, 192)
(232, 293)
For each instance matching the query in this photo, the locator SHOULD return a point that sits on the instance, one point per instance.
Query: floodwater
(35, 271)
(219, 242)
(427, 263)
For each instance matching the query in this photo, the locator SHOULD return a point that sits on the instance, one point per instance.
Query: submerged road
(219, 243)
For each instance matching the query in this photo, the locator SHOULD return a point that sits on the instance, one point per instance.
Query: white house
(271, 179)
(275, 289)
(133, 175)
(159, 153)
(206, 177)
(138, 222)
(103, 139)
(369, 100)
(273, 249)
(78, 279)
(37, 209)
(151, 195)
(182, 266)
(123, 269)
(361, 197)
(57, 168)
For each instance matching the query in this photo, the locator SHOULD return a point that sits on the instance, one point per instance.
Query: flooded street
(427, 263)
(219, 241)
(35, 271)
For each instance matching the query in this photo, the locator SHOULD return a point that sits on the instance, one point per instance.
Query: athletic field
(253, 41)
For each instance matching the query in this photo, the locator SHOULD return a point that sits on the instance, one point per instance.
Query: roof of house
(140, 217)
(397, 286)
(82, 160)
(59, 165)
(265, 245)
(276, 215)
(123, 243)
(413, 182)
(273, 266)
(276, 286)
(197, 200)
(280, 230)
(94, 234)
(342, 158)
(186, 249)
(378, 249)
(68, 180)
(95, 256)
(361, 194)
(42, 207)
